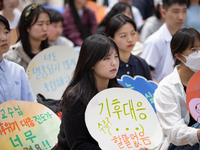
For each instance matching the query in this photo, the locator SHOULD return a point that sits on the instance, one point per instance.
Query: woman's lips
(4, 45)
(113, 70)
(131, 45)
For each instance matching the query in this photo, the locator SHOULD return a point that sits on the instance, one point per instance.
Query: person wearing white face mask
(193, 60)
(179, 128)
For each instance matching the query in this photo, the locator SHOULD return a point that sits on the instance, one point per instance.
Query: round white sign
(121, 118)
(51, 70)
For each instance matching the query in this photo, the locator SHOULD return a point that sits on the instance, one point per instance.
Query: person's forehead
(178, 6)
(2, 25)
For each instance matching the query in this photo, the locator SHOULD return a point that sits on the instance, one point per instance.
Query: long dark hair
(83, 83)
(28, 18)
(5, 22)
(1, 4)
(116, 9)
(74, 12)
(182, 39)
(116, 22)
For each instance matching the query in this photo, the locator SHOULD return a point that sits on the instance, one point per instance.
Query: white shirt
(157, 52)
(136, 14)
(172, 112)
(16, 19)
(62, 41)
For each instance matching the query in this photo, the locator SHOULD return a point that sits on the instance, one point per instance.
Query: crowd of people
(166, 32)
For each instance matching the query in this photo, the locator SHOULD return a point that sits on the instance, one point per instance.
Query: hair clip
(121, 18)
(30, 9)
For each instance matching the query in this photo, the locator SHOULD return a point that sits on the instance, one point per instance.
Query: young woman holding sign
(33, 29)
(122, 30)
(96, 69)
(170, 97)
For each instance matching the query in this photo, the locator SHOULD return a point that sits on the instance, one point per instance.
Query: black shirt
(135, 66)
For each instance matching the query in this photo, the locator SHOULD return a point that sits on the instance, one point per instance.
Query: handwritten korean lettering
(125, 108)
(105, 124)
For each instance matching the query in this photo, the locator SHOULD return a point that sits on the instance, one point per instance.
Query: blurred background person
(79, 22)
(137, 17)
(9, 10)
(193, 13)
(56, 29)
(121, 7)
(152, 23)
(146, 7)
(53, 3)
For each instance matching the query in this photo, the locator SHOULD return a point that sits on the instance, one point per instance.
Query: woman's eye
(193, 49)
(106, 58)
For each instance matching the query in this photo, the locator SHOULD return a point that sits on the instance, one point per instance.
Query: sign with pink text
(27, 126)
(51, 70)
(122, 119)
(193, 96)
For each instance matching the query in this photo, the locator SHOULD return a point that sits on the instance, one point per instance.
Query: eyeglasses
(30, 9)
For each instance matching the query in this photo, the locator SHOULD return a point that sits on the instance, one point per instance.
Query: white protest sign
(121, 118)
(51, 70)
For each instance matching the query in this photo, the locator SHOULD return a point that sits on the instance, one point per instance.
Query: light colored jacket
(17, 54)
(172, 112)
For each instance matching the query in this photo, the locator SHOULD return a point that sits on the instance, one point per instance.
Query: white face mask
(193, 61)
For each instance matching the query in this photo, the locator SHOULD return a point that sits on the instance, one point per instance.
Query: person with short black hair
(56, 29)
(14, 83)
(156, 48)
(178, 126)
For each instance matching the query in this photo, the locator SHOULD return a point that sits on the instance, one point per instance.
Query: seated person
(122, 30)
(56, 29)
(79, 22)
(156, 48)
(152, 24)
(14, 83)
(33, 30)
(137, 17)
(181, 132)
(8, 9)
